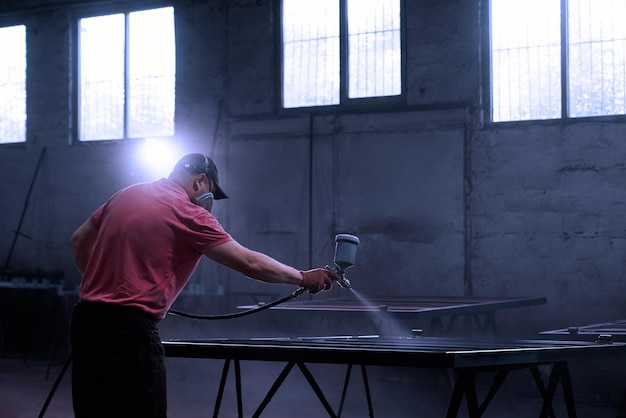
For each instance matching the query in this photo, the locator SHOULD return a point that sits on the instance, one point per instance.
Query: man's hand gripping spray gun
(345, 254)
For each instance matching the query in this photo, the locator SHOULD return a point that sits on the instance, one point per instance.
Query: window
(13, 84)
(536, 73)
(597, 57)
(127, 71)
(316, 38)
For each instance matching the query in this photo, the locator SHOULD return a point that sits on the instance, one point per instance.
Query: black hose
(239, 314)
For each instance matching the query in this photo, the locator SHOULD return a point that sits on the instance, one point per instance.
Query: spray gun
(345, 254)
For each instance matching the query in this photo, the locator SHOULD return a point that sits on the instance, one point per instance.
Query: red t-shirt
(150, 239)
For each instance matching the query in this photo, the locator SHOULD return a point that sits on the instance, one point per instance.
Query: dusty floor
(193, 385)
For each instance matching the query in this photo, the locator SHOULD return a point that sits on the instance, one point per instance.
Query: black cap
(200, 163)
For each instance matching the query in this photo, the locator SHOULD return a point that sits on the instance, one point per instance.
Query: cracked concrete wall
(547, 213)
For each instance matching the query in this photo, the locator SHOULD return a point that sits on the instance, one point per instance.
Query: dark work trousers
(119, 365)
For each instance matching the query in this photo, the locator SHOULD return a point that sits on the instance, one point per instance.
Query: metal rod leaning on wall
(17, 232)
(311, 171)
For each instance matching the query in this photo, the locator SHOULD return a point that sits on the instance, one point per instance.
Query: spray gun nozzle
(344, 282)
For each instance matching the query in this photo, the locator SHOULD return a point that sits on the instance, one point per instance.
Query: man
(136, 252)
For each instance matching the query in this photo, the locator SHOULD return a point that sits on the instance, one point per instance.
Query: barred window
(13, 84)
(597, 57)
(536, 73)
(318, 34)
(127, 74)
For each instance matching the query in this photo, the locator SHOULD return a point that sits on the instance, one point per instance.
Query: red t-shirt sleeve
(206, 232)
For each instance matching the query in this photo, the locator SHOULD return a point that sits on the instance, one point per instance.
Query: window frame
(95, 11)
(487, 77)
(344, 101)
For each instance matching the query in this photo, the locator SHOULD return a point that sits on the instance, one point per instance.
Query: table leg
(367, 391)
(451, 323)
(568, 393)
(220, 392)
(495, 386)
(345, 389)
(309, 377)
(465, 386)
(455, 400)
(542, 390)
(435, 326)
(279, 381)
(490, 324)
(559, 372)
(238, 388)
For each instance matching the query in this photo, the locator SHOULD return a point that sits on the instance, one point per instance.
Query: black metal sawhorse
(279, 381)
(465, 386)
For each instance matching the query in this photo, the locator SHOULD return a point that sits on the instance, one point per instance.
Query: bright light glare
(155, 158)
(13, 84)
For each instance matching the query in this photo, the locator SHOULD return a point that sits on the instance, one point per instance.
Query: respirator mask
(205, 200)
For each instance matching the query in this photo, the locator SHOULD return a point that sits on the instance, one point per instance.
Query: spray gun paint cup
(345, 255)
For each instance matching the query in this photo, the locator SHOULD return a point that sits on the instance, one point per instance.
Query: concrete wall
(547, 212)
(443, 204)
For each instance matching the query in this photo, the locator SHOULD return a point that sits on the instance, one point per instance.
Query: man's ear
(197, 181)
